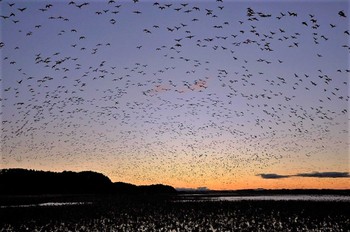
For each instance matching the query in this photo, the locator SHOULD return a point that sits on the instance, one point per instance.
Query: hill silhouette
(33, 182)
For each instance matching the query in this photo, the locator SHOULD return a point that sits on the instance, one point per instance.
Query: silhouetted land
(108, 206)
(263, 192)
(32, 182)
(25, 187)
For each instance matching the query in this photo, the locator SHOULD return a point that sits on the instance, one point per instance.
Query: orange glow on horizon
(246, 182)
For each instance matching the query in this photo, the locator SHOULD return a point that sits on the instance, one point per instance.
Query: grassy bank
(131, 214)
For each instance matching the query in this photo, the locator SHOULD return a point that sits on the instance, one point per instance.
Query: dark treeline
(345, 192)
(265, 192)
(32, 182)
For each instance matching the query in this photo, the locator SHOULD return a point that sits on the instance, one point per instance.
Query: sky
(212, 94)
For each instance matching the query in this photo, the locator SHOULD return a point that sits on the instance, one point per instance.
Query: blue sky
(196, 93)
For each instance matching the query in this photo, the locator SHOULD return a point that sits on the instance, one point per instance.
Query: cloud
(324, 174)
(272, 176)
(157, 89)
(199, 85)
(161, 88)
(311, 174)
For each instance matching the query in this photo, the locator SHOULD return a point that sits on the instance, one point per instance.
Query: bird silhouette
(341, 14)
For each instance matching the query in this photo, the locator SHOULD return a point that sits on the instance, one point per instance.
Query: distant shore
(258, 192)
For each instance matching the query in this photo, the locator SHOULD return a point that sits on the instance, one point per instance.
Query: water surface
(53, 204)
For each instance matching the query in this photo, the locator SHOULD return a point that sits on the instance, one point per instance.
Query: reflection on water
(46, 204)
(271, 198)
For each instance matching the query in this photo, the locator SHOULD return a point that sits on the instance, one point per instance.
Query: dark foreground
(130, 214)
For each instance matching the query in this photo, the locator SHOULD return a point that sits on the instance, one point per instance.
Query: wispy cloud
(311, 174)
(199, 85)
(272, 176)
(325, 174)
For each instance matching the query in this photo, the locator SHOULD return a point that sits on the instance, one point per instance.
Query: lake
(45, 204)
(204, 197)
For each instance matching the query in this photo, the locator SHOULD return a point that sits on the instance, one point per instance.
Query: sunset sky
(216, 94)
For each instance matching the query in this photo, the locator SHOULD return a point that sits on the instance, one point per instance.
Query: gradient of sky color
(185, 93)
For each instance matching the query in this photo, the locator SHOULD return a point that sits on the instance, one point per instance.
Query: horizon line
(185, 189)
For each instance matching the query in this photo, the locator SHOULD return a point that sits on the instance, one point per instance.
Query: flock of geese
(172, 92)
